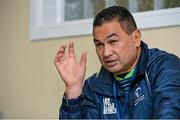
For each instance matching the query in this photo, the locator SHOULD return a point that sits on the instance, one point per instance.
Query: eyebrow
(95, 41)
(111, 35)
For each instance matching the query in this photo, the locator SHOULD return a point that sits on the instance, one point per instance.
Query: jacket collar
(103, 83)
(142, 62)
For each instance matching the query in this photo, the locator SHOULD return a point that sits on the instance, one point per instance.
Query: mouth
(110, 63)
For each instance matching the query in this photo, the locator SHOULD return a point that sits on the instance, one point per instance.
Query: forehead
(106, 29)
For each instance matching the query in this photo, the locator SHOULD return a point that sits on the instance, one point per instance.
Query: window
(61, 18)
(83, 9)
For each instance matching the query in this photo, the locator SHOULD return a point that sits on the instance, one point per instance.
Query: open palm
(71, 72)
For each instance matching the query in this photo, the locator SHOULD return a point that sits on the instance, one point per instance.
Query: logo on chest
(108, 106)
(139, 96)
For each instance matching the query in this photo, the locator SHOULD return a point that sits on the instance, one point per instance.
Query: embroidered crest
(139, 96)
(108, 106)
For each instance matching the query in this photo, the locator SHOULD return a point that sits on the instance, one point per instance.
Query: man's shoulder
(157, 56)
(162, 63)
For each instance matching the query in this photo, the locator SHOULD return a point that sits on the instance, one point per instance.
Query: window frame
(144, 20)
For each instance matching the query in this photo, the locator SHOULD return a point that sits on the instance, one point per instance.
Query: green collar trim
(129, 75)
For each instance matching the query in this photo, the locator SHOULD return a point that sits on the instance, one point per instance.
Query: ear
(137, 37)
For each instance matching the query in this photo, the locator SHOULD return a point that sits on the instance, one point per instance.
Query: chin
(113, 70)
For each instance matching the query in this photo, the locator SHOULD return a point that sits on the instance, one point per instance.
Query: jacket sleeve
(82, 107)
(167, 88)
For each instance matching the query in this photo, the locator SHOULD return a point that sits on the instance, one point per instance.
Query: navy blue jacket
(153, 93)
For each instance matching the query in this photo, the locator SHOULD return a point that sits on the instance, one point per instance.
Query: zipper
(131, 100)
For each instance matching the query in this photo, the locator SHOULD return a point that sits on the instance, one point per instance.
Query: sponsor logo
(108, 106)
(139, 96)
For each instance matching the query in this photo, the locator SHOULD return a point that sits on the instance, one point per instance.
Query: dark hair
(122, 14)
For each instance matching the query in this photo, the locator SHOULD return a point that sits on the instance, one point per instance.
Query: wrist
(72, 101)
(73, 92)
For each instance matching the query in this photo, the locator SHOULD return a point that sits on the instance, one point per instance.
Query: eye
(99, 44)
(113, 41)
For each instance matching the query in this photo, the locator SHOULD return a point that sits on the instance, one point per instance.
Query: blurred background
(30, 86)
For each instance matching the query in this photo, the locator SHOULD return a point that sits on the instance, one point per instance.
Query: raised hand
(71, 72)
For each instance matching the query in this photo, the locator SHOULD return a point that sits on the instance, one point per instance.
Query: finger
(62, 52)
(62, 49)
(57, 63)
(83, 60)
(58, 58)
(70, 50)
(71, 53)
(58, 66)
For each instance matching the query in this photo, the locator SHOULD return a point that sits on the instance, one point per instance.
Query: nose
(107, 51)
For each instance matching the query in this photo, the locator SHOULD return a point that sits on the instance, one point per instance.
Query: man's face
(117, 51)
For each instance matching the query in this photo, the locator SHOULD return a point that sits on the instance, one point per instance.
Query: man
(134, 81)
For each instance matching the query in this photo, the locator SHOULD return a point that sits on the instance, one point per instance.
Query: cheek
(121, 49)
(131, 53)
(99, 54)
(125, 51)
